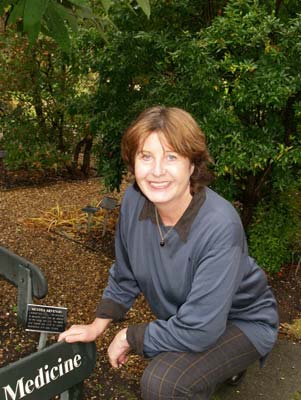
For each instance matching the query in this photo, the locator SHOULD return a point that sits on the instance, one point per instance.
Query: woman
(182, 246)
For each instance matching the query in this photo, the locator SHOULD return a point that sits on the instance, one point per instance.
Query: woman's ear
(191, 169)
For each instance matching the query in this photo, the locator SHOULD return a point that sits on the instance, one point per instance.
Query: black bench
(58, 369)
(27, 277)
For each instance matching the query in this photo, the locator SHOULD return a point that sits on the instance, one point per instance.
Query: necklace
(162, 241)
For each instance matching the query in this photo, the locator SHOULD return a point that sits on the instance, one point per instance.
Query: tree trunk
(289, 118)
(58, 125)
(2, 23)
(39, 112)
(36, 93)
(277, 7)
(87, 141)
(249, 201)
(87, 155)
(256, 187)
(76, 154)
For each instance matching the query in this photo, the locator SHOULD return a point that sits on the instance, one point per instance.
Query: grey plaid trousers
(181, 375)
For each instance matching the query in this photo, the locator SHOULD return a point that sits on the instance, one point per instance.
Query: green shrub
(274, 234)
(27, 150)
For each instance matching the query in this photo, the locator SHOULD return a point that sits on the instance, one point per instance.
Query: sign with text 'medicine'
(48, 372)
(49, 319)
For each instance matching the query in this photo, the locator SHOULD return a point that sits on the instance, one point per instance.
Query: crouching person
(183, 246)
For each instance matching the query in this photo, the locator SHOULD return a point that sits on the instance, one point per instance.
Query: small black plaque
(49, 319)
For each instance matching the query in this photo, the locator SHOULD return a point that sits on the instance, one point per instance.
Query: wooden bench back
(27, 277)
(48, 372)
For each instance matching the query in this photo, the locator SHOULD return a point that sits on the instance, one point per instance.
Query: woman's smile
(159, 185)
(162, 174)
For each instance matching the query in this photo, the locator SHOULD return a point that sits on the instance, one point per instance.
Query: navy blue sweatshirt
(202, 279)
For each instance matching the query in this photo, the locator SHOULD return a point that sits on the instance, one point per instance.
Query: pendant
(162, 243)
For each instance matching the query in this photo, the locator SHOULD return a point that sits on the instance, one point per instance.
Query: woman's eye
(171, 157)
(145, 157)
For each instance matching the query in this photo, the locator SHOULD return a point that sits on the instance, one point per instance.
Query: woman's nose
(159, 167)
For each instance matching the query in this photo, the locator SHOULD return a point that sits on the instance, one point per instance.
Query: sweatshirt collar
(184, 224)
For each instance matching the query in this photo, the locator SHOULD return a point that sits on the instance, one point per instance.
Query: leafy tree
(252, 129)
(48, 109)
(233, 65)
(45, 122)
(137, 69)
(54, 17)
(283, 9)
(51, 17)
(239, 77)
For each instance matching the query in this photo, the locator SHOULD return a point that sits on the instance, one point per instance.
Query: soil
(42, 220)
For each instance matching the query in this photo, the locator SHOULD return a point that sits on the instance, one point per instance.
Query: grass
(296, 396)
(294, 329)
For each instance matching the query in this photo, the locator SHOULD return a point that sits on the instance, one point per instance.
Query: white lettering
(52, 376)
(29, 386)
(13, 394)
(39, 380)
(60, 367)
(47, 374)
(44, 377)
(68, 365)
(77, 360)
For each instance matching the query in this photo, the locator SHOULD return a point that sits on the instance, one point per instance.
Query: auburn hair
(181, 132)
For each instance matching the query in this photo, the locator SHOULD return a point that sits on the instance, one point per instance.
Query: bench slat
(10, 270)
(48, 372)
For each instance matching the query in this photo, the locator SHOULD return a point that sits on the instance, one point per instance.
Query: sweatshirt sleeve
(202, 318)
(122, 288)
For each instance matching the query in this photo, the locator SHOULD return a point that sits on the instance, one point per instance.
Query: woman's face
(162, 174)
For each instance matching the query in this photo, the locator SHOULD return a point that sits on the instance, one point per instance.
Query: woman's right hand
(85, 333)
(79, 333)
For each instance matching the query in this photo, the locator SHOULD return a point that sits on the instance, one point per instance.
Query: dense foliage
(54, 18)
(240, 79)
(40, 117)
(47, 79)
(234, 65)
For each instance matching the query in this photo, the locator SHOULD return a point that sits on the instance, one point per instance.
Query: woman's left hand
(118, 349)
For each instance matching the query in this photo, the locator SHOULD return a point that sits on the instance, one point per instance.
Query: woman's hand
(79, 333)
(118, 349)
(85, 333)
